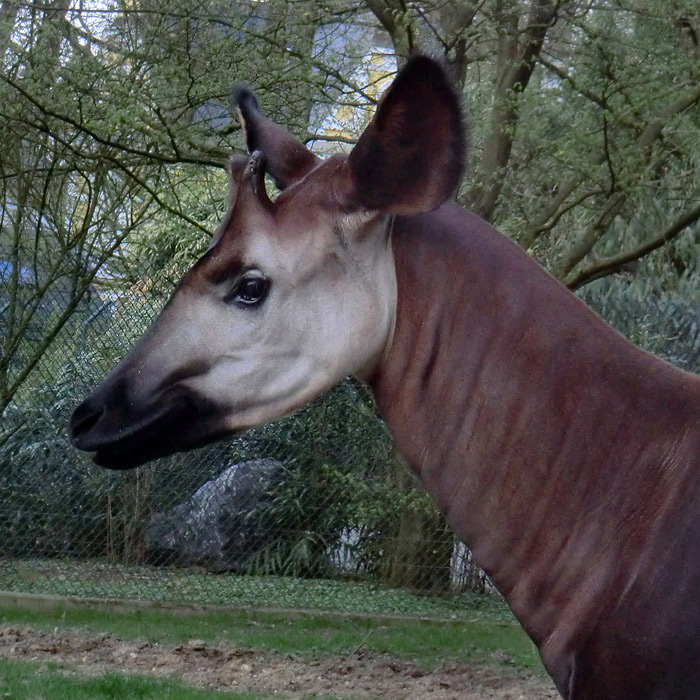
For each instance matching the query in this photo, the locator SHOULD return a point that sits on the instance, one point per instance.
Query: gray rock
(224, 524)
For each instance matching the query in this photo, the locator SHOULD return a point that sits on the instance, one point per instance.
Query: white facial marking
(329, 313)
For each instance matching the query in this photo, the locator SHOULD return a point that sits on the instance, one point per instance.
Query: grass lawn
(428, 643)
(20, 680)
(27, 681)
(485, 641)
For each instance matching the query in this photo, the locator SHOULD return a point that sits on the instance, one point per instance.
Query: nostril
(85, 417)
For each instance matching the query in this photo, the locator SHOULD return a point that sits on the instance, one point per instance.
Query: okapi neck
(520, 410)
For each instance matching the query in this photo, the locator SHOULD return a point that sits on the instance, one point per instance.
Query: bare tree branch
(393, 16)
(148, 154)
(655, 126)
(615, 263)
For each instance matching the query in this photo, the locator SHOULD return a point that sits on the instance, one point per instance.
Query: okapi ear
(411, 156)
(287, 159)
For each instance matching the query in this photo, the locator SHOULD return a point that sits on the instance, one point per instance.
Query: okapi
(567, 459)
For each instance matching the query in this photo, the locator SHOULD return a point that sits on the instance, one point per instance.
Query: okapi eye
(250, 290)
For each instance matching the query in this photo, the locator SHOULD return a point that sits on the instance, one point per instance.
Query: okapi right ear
(411, 156)
(287, 159)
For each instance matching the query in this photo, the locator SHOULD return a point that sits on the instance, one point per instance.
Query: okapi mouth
(119, 441)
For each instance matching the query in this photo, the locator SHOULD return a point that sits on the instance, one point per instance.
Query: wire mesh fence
(314, 511)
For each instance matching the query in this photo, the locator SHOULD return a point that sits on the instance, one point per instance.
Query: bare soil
(362, 676)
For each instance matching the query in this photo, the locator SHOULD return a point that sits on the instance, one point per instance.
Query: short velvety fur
(565, 457)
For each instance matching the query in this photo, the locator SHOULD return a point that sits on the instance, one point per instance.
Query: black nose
(85, 417)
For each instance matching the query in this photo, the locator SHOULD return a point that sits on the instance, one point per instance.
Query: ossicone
(287, 159)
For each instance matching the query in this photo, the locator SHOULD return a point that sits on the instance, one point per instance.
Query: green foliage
(339, 456)
(166, 247)
(662, 324)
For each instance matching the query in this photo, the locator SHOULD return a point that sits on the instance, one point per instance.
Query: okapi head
(293, 294)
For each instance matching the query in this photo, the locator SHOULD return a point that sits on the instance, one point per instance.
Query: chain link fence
(315, 511)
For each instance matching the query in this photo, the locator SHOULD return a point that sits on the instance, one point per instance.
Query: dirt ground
(360, 675)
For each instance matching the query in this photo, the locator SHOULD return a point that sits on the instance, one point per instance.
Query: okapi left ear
(287, 159)
(411, 156)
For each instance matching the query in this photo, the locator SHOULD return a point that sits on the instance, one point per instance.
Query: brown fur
(566, 458)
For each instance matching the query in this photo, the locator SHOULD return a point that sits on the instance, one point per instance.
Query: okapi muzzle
(123, 435)
(128, 420)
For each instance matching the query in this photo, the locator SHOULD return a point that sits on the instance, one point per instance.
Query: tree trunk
(422, 553)
(516, 54)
